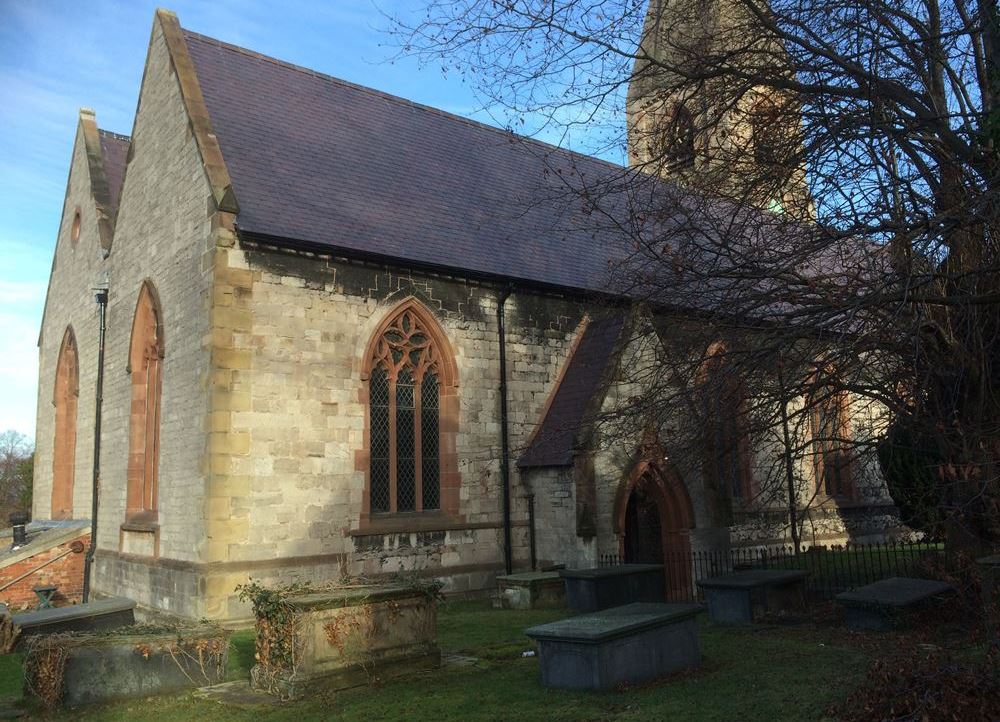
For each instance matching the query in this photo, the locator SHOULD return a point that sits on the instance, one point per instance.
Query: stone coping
(60, 615)
(129, 635)
(353, 596)
(623, 621)
(608, 572)
(895, 592)
(528, 577)
(42, 539)
(753, 578)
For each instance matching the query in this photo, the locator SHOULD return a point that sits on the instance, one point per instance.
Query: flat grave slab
(531, 590)
(91, 617)
(887, 604)
(590, 590)
(742, 597)
(631, 644)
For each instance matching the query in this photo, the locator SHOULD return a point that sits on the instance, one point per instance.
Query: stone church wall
(162, 230)
(289, 497)
(76, 267)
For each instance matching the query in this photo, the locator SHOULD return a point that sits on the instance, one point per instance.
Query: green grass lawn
(757, 673)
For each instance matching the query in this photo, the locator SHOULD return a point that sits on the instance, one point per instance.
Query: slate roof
(321, 162)
(586, 372)
(114, 149)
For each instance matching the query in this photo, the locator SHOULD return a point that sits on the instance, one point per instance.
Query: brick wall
(66, 574)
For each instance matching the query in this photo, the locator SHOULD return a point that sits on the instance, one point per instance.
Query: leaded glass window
(379, 440)
(404, 419)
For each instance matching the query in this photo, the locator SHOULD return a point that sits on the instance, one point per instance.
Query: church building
(341, 333)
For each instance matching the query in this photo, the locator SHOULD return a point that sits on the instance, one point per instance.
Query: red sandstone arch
(64, 398)
(145, 369)
(441, 356)
(660, 481)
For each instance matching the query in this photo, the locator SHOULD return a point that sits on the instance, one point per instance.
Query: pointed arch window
(727, 441)
(831, 438)
(412, 416)
(676, 138)
(146, 373)
(65, 399)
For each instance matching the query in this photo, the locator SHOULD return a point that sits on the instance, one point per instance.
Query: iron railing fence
(832, 569)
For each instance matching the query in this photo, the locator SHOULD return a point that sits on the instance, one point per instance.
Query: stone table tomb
(531, 590)
(590, 590)
(742, 597)
(630, 644)
(889, 603)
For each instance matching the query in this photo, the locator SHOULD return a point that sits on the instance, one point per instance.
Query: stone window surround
(450, 478)
(145, 364)
(734, 388)
(64, 399)
(837, 403)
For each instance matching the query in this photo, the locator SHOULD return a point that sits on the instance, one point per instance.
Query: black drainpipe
(101, 296)
(502, 297)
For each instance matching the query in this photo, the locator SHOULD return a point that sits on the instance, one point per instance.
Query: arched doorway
(654, 522)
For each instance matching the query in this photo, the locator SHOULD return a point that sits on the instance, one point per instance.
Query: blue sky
(58, 55)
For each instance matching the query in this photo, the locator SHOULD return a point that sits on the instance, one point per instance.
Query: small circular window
(74, 231)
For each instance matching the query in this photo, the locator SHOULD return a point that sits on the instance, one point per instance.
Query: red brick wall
(66, 574)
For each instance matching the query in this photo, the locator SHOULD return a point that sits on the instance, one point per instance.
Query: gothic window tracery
(404, 418)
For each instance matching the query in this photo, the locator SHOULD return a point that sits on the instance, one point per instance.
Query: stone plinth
(888, 604)
(590, 590)
(531, 590)
(90, 617)
(345, 637)
(631, 644)
(742, 597)
(113, 666)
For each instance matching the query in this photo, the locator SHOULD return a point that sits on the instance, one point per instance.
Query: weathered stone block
(93, 616)
(590, 590)
(344, 637)
(889, 604)
(531, 590)
(630, 644)
(742, 597)
(104, 667)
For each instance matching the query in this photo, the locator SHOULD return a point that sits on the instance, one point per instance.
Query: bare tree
(16, 467)
(815, 179)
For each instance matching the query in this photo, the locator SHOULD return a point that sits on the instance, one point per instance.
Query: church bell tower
(702, 110)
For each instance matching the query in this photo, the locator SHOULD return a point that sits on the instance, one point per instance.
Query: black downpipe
(502, 297)
(101, 296)
(531, 531)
